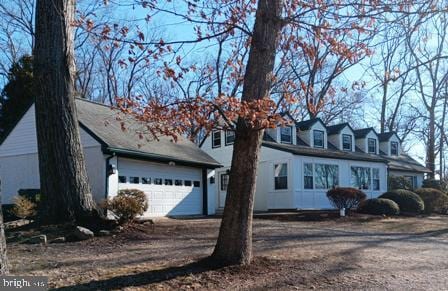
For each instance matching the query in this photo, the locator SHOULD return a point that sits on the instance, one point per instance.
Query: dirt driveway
(356, 253)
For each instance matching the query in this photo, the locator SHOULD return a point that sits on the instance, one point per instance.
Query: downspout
(107, 175)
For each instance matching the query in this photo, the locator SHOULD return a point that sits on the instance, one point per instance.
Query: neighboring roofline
(157, 158)
(274, 146)
(8, 132)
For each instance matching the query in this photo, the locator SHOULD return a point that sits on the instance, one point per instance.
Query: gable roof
(93, 117)
(385, 136)
(363, 132)
(335, 129)
(307, 124)
(405, 163)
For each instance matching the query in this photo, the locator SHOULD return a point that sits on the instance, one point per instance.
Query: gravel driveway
(353, 253)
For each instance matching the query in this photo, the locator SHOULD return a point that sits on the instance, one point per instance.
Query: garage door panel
(164, 199)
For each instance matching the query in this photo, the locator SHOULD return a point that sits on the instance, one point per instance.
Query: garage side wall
(19, 164)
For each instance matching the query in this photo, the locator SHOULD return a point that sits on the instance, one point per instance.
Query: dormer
(367, 140)
(313, 132)
(390, 143)
(284, 134)
(342, 137)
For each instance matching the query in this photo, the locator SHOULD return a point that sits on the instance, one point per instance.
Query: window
(157, 181)
(178, 182)
(134, 180)
(224, 182)
(394, 148)
(326, 176)
(371, 146)
(308, 176)
(376, 179)
(286, 134)
(168, 182)
(280, 176)
(216, 136)
(346, 142)
(122, 179)
(361, 178)
(146, 180)
(318, 138)
(230, 137)
(187, 183)
(197, 184)
(412, 180)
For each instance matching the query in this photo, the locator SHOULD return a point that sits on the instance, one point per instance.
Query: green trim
(158, 158)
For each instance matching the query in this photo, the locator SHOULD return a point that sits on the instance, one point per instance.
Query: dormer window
(371, 146)
(318, 138)
(230, 137)
(286, 134)
(346, 142)
(216, 139)
(394, 148)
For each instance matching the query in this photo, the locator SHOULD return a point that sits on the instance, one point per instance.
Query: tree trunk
(234, 245)
(4, 269)
(431, 147)
(66, 194)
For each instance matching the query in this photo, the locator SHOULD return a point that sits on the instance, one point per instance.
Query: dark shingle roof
(325, 153)
(100, 121)
(334, 129)
(304, 125)
(385, 136)
(360, 133)
(404, 162)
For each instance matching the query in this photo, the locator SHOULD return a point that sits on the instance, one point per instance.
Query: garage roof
(405, 163)
(101, 122)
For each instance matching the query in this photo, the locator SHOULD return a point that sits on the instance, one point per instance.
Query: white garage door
(171, 190)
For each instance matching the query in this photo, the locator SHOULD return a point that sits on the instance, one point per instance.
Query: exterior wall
(316, 198)
(19, 165)
(420, 176)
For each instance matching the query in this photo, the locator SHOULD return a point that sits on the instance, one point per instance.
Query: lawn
(351, 253)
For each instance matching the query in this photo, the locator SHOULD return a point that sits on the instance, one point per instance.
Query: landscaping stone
(38, 239)
(82, 233)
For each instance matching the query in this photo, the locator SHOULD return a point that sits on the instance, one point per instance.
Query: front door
(223, 183)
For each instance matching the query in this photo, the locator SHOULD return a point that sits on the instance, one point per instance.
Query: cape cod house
(299, 163)
(174, 176)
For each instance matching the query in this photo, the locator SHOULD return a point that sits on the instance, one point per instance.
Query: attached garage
(170, 190)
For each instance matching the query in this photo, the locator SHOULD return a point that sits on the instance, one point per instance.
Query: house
(300, 162)
(173, 175)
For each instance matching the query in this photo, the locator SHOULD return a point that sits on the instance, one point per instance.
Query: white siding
(19, 165)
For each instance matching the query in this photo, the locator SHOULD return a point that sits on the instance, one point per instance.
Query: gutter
(157, 158)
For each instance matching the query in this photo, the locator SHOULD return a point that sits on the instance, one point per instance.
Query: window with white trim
(281, 176)
(286, 134)
(371, 146)
(361, 178)
(394, 148)
(318, 138)
(216, 139)
(230, 137)
(376, 179)
(224, 182)
(320, 176)
(347, 142)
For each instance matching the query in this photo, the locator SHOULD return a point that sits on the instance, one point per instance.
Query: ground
(346, 253)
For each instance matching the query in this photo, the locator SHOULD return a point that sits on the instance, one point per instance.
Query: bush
(345, 197)
(435, 184)
(407, 201)
(435, 201)
(399, 182)
(23, 207)
(127, 205)
(379, 206)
